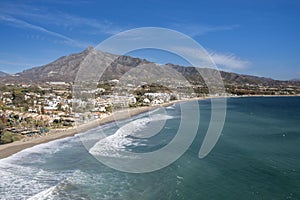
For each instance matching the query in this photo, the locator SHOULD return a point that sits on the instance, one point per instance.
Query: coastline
(258, 95)
(9, 149)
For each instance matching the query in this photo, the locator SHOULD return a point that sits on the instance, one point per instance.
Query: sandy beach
(9, 149)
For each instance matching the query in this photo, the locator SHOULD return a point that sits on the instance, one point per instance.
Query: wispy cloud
(17, 63)
(203, 58)
(93, 26)
(197, 29)
(66, 20)
(229, 61)
(26, 25)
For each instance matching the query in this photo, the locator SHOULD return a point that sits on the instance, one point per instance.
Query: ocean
(256, 157)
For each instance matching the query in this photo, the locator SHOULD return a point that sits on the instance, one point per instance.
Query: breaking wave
(134, 133)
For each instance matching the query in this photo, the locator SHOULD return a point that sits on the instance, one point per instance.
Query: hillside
(3, 74)
(66, 68)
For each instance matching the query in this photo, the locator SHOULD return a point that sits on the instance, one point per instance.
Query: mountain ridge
(3, 74)
(66, 68)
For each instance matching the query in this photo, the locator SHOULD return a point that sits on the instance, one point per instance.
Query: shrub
(8, 137)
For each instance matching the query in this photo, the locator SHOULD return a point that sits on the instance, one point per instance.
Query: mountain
(66, 69)
(3, 74)
(295, 79)
(63, 69)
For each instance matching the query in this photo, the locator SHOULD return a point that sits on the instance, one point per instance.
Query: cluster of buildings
(28, 109)
(34, 109)
(260, 89)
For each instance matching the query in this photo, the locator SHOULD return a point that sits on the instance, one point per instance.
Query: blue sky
(257, 37)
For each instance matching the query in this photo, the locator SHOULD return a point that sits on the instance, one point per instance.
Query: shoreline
(9, 149)
(258, 95)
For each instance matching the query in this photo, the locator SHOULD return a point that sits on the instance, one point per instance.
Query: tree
(18, 97)
(2, 127)
(42, 110)
(59, 107)
(109, 109)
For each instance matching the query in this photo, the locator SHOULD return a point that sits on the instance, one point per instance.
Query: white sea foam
(171, 107)
(35, 152)
(22, 182)
(24, 175)
(130, 134)
(53, 147)
(77, 177)
(80, 179)
(44, 194)
(21, 173)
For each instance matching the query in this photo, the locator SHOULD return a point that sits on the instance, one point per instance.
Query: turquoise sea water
(256, 157)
